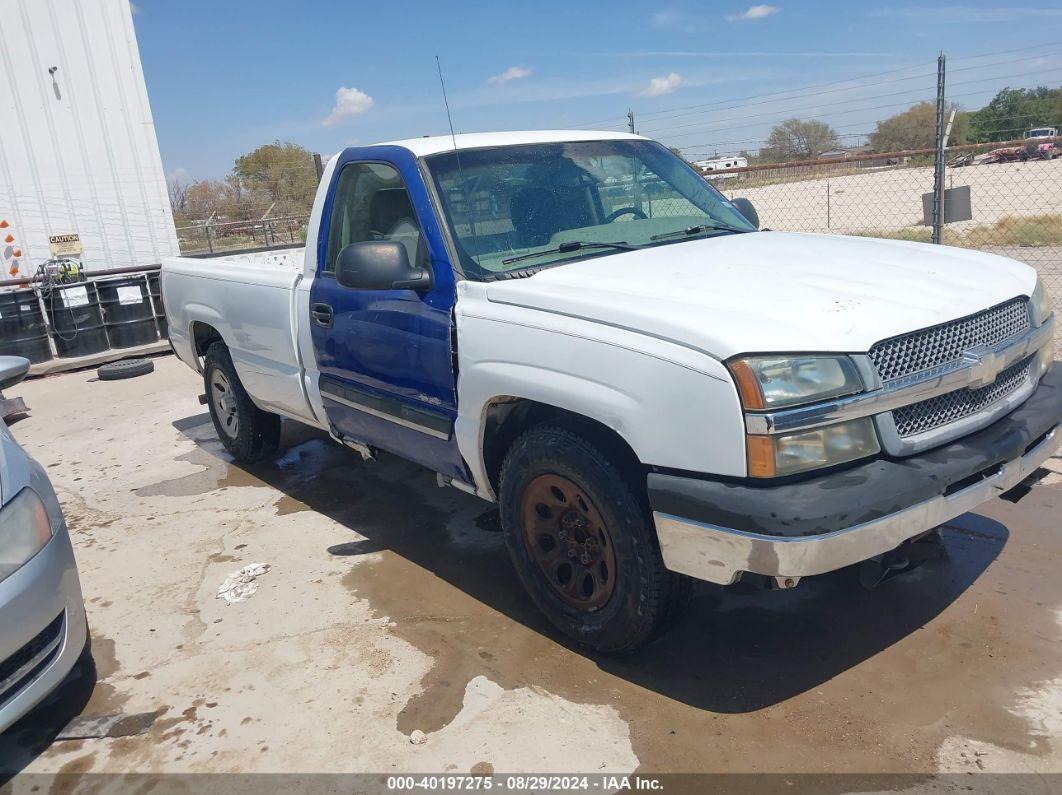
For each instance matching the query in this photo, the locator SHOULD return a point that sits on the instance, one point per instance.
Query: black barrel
(23, 331)
(155, 288)
(77, 324)
(127, 311)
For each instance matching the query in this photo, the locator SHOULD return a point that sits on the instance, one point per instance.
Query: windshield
(515, 208)
(1041, 132)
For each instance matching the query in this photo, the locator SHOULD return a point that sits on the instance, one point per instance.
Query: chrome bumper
(720, 554)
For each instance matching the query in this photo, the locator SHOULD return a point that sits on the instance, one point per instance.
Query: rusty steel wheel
(568, 540)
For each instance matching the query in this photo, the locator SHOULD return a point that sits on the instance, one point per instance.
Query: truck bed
(250, 300)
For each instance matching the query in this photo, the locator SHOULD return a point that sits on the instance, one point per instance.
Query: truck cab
(577, 326)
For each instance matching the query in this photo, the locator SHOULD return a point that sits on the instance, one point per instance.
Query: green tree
(282, 173)
(1013, 111)
(916, 128)
(796, 139)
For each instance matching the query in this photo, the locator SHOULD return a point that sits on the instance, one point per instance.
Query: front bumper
(42, 627)
(716, 530)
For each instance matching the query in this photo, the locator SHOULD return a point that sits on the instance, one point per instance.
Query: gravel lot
(391, 610)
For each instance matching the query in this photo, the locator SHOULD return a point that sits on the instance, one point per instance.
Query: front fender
(674, 407)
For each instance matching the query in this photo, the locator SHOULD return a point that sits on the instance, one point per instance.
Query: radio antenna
(446, 102)
(457, 153)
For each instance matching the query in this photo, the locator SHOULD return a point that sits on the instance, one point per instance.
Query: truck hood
(774, 291)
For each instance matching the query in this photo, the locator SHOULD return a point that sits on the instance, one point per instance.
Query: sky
(707, 77)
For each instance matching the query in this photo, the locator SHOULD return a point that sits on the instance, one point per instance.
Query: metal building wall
(78, 151)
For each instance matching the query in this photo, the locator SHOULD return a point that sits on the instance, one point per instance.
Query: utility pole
(938, 163)
(630, 121)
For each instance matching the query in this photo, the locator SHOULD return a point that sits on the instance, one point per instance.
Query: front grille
(931, 347)
(943, 409)
(22, 666)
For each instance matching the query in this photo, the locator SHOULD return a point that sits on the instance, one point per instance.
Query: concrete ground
(390, 634)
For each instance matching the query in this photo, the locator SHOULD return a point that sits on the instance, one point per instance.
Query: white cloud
(754, 12)
(134, 8)
(659, 86)
(179, 174)
(349, 102)
(666, 19)
(512, 73)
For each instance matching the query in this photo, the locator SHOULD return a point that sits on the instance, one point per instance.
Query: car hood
(774, 291)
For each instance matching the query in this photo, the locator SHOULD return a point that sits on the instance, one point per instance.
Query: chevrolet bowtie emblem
(984, 365)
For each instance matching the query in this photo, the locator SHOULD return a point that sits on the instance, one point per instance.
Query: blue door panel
(389, 351)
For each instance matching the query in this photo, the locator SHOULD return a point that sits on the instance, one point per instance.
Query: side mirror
(380, 265)
(12, 370)
(744, 206)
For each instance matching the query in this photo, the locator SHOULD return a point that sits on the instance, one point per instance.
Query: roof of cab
(434, 144)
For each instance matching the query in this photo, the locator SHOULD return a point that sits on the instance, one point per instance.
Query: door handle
(322, 315)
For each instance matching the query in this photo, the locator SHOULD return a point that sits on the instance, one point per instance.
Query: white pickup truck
(577, 326)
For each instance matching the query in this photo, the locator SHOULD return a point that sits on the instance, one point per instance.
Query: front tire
(583, 544)
(247, 432)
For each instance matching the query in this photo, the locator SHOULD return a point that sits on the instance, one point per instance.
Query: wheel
(248, 433)
(583, 544)
(126, 368)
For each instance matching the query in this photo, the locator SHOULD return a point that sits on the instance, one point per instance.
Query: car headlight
(772, 382)
(776, 382)
(787, 454)
(25, 529)
(1041, 301)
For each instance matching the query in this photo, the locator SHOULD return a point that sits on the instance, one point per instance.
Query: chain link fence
(1015, 201)
(208, 237)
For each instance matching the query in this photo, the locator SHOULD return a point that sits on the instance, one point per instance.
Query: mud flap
(1023, 488)
(906, 557)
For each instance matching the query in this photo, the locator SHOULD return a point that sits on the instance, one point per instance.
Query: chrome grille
(943, 409)
(921, 350)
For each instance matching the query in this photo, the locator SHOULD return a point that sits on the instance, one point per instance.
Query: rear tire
(247, 432)
(583, 543)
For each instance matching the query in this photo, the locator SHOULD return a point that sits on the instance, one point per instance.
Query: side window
(371, 203)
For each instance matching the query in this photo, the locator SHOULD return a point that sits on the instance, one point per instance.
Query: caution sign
(65, 245)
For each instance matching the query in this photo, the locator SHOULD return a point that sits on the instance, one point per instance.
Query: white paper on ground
(241, 585)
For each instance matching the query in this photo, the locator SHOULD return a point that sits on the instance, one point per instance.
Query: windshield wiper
(567, 248)
(689, 231)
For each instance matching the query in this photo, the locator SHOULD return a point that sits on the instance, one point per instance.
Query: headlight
(771, 382)
(24, 531)
(1041, 301)
(775, 456)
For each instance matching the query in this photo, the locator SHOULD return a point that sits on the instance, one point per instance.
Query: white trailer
(78, 152)
(723, 163)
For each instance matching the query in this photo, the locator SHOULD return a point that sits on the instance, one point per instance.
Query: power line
(657, 115)
(779, 113)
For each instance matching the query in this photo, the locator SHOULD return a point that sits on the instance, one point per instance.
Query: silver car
(42, 614)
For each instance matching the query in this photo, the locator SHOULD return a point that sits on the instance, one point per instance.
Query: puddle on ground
(216, 473)
(749, 679)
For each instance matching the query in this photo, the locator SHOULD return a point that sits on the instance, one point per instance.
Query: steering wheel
(625, 211)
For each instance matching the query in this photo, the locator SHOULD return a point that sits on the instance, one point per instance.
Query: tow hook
(906, 557)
